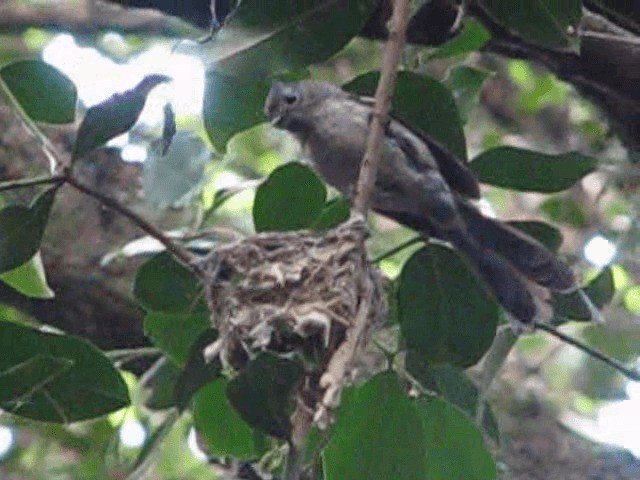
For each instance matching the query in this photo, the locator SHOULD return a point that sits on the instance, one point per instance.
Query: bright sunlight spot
(132, 434)
(619, 422)
(599, 251)
(98, 77)
(193, 446)
(6, 441)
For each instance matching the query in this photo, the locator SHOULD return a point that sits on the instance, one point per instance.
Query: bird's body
(420, 184)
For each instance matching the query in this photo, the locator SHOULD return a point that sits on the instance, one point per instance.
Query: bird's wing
(457, 175)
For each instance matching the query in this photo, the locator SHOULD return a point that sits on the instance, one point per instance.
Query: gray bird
(423, 186)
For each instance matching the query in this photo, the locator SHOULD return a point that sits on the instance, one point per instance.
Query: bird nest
(281, 291)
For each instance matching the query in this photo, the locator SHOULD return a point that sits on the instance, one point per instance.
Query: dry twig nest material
(291, 291)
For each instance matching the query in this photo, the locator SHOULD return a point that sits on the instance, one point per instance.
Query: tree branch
(78, 18)
(384, 92)
(177, 251)
(31, 182)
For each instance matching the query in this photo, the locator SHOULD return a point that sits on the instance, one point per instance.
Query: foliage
(447, 320)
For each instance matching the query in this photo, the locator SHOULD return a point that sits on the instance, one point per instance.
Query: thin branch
(398, 248)
(31, 182)
(69, 16)
(302, 422)
(384, 92)
(179, 252)
(335, 373)
(631, 374)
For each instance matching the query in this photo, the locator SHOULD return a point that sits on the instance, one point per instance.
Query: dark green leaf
(412, 93)
(526, 170)
(472, 37)
(258, 42)
(546, 234)
(164, 285)
(175, 333)
(262, 392)
(454, 386)
(291, 198)
(89, 388)
(445, 313)
(378, 434)
(114, 116)
(163, 386)
(572, 306)
(21, 230)
(601, 289)
(545, 22)
(466, 83)
(454, 446)
(29, 279)
(225, 432)
(22, 380)
(197, 372)
(333, 214)
(176, 177)
(169, 128)
(232, 104)
(44, 93)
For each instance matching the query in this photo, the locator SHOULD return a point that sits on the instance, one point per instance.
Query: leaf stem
(631, 374)
(31, 182)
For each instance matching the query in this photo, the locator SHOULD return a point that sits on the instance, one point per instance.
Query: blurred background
(563, 414)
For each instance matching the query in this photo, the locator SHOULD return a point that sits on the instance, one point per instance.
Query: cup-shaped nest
(287, 291)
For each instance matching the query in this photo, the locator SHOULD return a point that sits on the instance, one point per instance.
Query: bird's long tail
(519, 270)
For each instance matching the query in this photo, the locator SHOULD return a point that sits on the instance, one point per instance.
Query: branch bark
(88, 17)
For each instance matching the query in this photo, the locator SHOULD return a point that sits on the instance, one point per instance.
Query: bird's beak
(272, 109)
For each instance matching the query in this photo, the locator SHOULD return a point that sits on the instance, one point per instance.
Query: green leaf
(29, 279)
(175, 178)
(632, 299)
(19, 382)
(89, 388)
(197, 372)
(544, 22)
(258, 42)
(526, 170)
(225, 432)
(440, 121)
(571, 306)
(164, 285)
(290, 199)
(163, 386)
(455, 449)
(232, 104)
(114, 116)
(445, 313)
(546, 234)
(175, 333)
(378, 434)
(262, 393)
(454, 386)
(334, 213)
(565, 210)
(466, 83)
(473, 36)
(44, 93)
(21, 230)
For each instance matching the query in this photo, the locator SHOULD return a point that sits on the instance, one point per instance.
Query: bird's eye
(290, 98)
